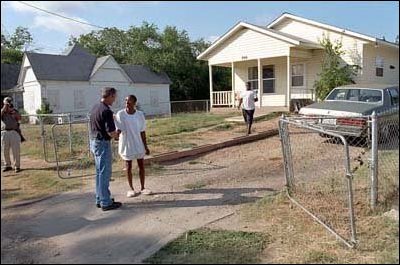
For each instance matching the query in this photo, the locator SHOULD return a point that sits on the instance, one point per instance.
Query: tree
(21, 39)
(12, 49)
(170, 51)
(333, 74)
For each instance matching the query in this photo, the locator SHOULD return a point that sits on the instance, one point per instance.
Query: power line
(55, 14)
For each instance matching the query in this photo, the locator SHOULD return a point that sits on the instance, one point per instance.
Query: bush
(45, 109)
(332, 74)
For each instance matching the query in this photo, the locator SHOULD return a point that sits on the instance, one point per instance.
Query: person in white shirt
(247, 100)
(132, 141)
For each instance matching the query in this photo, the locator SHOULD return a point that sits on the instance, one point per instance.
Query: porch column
(211, 85)
(260, 82)
(233, 98)
(288, 82)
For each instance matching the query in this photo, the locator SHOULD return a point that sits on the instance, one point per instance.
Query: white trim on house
(329, 27)
(100, 62)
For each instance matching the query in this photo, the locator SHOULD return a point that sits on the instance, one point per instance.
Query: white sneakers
(132, 193)
(146, 192)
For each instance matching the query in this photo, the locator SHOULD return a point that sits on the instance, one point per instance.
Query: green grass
(212, 247)
(223, 127)
(183, 123)
(34, 184)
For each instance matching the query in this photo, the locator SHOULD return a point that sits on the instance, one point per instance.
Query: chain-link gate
(334, 176)
(318, 176)
(71, 143)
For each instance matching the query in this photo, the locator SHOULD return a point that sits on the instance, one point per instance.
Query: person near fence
(102, 130)
(132, 142)
(10, 138)
(247, 100)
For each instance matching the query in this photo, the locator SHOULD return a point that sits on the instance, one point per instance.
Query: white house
(282, 59)
(73, 82)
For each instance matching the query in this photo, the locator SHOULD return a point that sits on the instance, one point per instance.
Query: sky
(201, 19)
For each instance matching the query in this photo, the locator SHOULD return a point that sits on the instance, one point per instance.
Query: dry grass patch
(297, 238)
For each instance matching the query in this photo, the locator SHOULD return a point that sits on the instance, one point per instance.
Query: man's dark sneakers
(17, 169)
(6, 169)
(99, 206)
(114, 205)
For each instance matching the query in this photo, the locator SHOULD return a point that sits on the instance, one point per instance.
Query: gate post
(374, 160)
(284, 137)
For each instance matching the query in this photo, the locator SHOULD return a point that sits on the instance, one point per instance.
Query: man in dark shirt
(102, 129)
(10, 138)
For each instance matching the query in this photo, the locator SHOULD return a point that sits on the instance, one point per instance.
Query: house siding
(32, 97)
(353, 47)
(390, 57)
(250, 45)
(80, 97)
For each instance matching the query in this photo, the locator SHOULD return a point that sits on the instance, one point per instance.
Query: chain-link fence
(385, 158)
(333, 164)
(190, 106)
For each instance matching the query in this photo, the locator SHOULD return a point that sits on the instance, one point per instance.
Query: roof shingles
(78, 65)
(9, 75)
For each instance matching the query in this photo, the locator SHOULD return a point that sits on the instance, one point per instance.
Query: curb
(209, 147)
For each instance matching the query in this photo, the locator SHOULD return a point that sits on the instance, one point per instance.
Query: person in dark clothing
(19, 126)
(102, 130)
(10, 138)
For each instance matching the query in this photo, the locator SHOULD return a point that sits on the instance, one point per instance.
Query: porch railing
(302, 93)
(223, 98)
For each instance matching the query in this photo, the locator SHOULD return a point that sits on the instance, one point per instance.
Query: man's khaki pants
(10, 140)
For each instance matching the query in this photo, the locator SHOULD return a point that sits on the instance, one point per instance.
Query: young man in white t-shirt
(132, 141)
(248, 99)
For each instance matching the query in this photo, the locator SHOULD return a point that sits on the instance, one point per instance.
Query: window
(53, 97)
(154, 98)
(253, 77)
(268, 79)
(379, 66)
(359, 95)
(394, 95)
(298, 75)
(79, 99)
